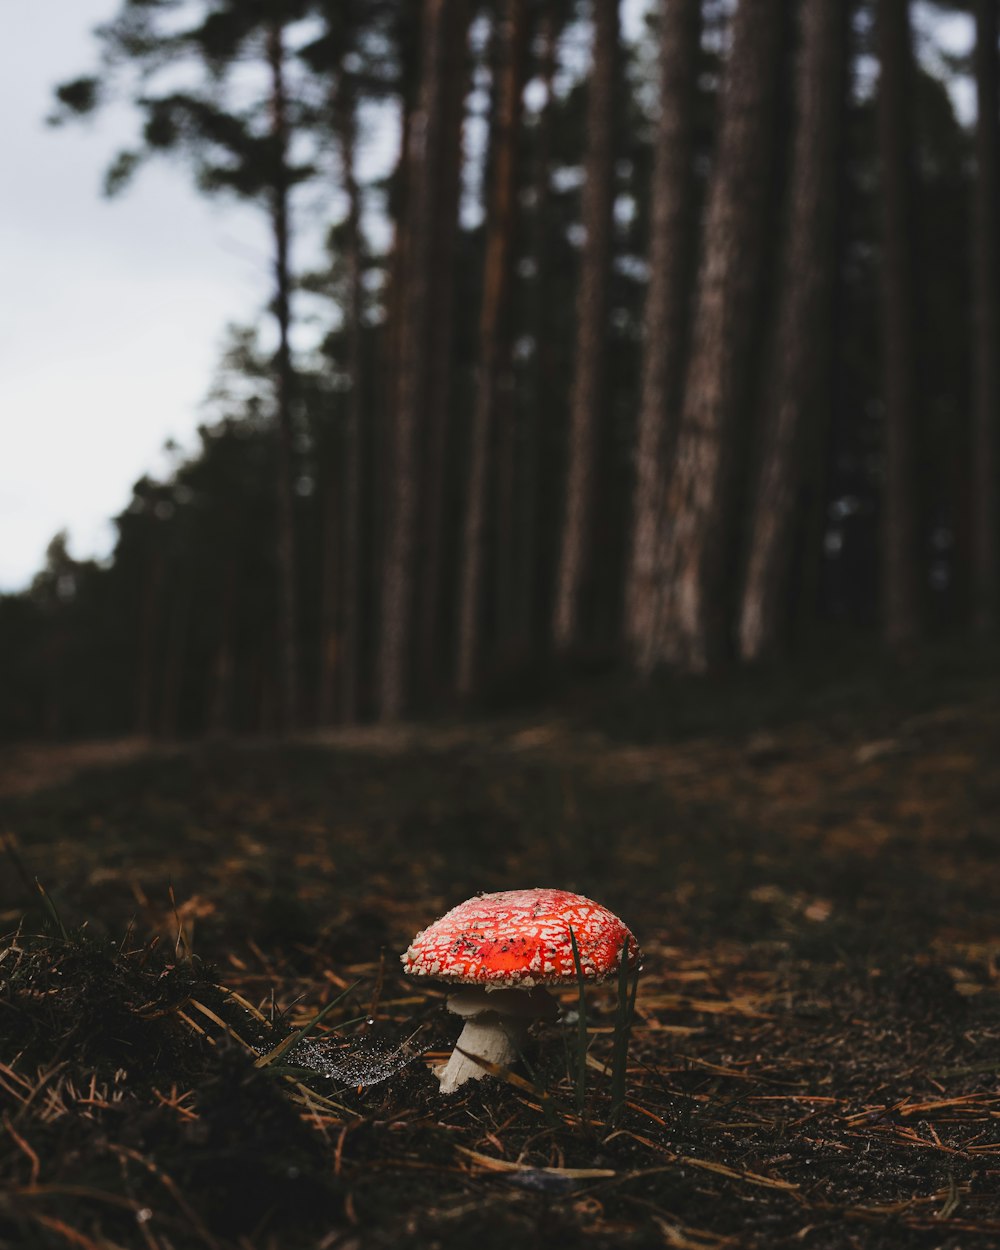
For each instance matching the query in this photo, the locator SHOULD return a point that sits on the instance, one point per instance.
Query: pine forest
(634, 341)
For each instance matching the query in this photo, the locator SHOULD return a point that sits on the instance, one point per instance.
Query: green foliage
(121, 171)
(227, 140)
(77, 98)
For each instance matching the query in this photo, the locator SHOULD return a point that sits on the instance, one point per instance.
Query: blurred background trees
(660, 354)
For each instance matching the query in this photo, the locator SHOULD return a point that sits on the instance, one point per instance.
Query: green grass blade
(301, 1034)
(581, 1028)
(51, 911)
(623, 1033)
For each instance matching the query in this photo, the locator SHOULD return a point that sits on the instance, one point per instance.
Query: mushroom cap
(521, 938)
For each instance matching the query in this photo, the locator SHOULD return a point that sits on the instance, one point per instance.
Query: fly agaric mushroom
(503, 949)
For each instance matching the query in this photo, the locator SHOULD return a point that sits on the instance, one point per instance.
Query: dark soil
(816, 1050)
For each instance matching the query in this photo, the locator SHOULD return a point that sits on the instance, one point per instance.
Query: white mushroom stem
(496, 1025)
(497, 1039)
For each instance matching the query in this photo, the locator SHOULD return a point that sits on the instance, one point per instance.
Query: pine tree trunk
(800, 355)
(505, 485)
(591, 337)
(331, 593)
(986, 338)
(900, 604)
(350, 580)
(692, 627)
(152, 614)
(672, 195)
(220, 703)
(441, 329)
(493, 313)
(175, 644)
(287, 604)
(537, 325)
(380, 454)
(423, 182)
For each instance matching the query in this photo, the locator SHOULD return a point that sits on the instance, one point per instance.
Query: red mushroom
(506, 948)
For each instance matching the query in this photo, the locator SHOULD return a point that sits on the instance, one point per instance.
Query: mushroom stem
(492, 1037)
(496, 1025)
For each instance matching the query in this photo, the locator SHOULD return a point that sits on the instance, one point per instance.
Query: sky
(114, 312)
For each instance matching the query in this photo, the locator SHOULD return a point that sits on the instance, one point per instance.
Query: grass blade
(301, 1034)
(52, 911)
(623, 1033)
(581, 1028)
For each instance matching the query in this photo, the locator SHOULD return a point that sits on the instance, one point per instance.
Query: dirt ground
(815, 1057)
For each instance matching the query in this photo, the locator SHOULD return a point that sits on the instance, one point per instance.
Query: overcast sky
(113, 313)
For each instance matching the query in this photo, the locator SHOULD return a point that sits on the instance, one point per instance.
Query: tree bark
(493, 313)
(350, 580)
(691, 631)
(152, 613)
(800, 353)
(175, 644)
(284, 381)
(986, 337)
(527, 544)
(424, 172)
(504, 486)
(332, 591)
(441, 332)
(900, 603)
(220, 694)
(672, 196)
(591, 338)
(380, 453)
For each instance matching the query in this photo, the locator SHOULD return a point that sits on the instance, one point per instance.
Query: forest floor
(815, 1056)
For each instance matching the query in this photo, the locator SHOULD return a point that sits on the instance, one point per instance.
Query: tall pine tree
(986, 331)
(692, 625)
(236, 147)
(494, 312)
(900, 595)
(799, 366)
(590, 365)
(427, 201)
(672, 213)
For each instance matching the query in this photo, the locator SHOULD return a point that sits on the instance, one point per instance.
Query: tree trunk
(441, 326)
(493, 312)
(423, 181)
(672, 195)
(591, 338)
(149, 638)
(505, 489)
(900, 605)
(386, 384)
(287, 605)
(178, 628)
(538, 323)
(350, 580)
(331, 591)
(986, 337)
(799, 376)
(692, 625)
(220, 699)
